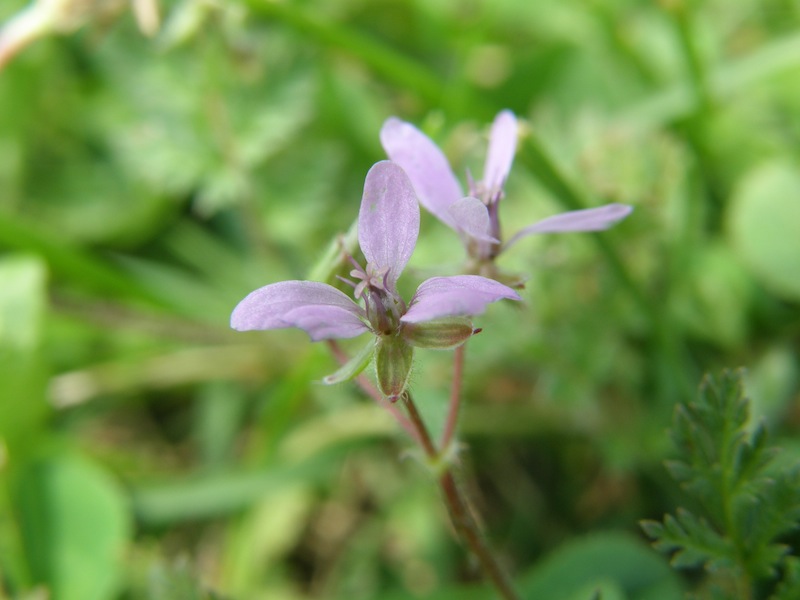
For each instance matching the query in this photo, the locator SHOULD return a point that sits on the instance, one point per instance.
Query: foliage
(748, 503)
(150, 179)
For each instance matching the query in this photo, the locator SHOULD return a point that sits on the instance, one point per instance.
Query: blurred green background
(148, 183)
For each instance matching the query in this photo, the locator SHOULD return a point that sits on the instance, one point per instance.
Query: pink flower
(475, 216)
(436, 317)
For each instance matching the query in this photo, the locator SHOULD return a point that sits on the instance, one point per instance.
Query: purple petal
(320, 310)
(472, 217)
(589, 219)
(426, 166)
(502, 146)
(462, 295)
(325, 322)
(388, 222)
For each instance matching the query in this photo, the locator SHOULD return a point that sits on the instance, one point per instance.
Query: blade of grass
(678, 101)
(181, 367)
(404, 72)
(223, 493)
(71, 262)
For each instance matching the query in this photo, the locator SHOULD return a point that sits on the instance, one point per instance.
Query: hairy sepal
(393, 358)
(439, 334)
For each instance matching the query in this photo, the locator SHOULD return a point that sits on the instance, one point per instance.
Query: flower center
(372, 279)
(381, 301)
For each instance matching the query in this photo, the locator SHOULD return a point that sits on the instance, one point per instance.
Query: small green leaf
(693, 541)
(652, 529)
(354, 366)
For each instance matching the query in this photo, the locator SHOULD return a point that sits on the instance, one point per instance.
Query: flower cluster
(436, 317)
(475, 215)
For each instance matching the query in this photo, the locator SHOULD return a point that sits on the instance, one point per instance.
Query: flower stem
(455, 399)
(419, 426)
(460, 512)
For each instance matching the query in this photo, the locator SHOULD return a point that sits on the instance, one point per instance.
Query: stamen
(352, 284)
(359, 291)
(354, 262)
(385, 278)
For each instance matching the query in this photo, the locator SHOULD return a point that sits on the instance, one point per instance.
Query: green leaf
(711, 437)
(354, 366)
(22, 392)
(600, 590)
(693, 541)
(764, 226)
(611, 558)
(615, 565)
(728, 465)
(22, 377)
(74, 526)
(789, 588)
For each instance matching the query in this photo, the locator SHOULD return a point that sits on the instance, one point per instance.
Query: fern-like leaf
(747, 502)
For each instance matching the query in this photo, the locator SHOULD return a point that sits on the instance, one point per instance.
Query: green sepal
(393, 366)
(352, 367)
(441, 334)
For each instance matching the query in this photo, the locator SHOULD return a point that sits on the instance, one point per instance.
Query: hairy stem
(460, 512)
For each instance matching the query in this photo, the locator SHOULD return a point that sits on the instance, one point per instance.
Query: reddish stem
(460, 512)
(457, 506)
(455, 399)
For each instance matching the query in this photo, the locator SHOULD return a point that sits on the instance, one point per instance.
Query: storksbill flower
(475, 216)
(437, 316)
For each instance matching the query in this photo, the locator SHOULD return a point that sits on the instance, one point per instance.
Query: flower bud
(393, 366)
(441, 334)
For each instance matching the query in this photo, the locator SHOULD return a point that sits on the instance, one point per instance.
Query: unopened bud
(441, 334)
